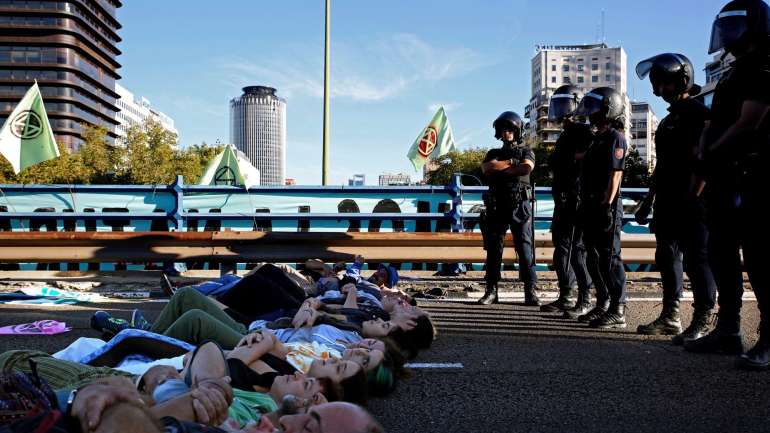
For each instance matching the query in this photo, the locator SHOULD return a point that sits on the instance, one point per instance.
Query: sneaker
(597, 312)
(578, 310)
(102, 321)
(139, 322)
(613, 318)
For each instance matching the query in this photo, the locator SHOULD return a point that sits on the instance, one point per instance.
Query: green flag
(434, 141)
(231, 167)
(27, 138)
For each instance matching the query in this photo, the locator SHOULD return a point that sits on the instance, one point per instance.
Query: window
(608, 77)
(580, 60)
(594, 78)
(608, 66)
(565, 68)
(595, 67)
(594, 59)
(580, 80)
(580, 68)
(553, 79)
(566, 80)
(553, 68)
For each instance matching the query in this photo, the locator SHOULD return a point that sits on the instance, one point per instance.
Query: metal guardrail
(451, 207)
(240, 247)
(142, 223)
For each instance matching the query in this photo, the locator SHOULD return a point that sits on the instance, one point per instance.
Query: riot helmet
(564, 102)
(601, 105)
(737, 21)
(509, 121)
(668, 68)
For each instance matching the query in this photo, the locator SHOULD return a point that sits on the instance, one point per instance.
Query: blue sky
(393, 62)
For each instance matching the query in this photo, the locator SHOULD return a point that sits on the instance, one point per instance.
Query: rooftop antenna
(604, 39)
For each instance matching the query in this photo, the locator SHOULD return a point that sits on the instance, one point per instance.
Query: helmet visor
(644, 67)
(728, 27)
(561, 106)
(589, 105)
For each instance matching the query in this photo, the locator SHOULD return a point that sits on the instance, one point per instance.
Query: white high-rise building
(136, 110)
(714, 71)
(644, 123)
(585, 66)
(258, 129)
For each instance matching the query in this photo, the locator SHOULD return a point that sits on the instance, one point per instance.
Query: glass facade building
(70, 48)
(258, 129)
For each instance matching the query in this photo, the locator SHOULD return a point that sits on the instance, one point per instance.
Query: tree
(148, 155)
(465, 161)
(636, 173)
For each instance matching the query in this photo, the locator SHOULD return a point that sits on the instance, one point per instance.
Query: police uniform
(736, 183)
(602, 224)
(508, 206)
(569, 256)
(679, 219)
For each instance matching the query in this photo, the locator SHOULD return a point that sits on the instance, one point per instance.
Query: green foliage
(466, 161)
(541, 175)
(148, 155)
(636, 173)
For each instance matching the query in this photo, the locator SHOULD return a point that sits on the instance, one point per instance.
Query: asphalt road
(526, 371)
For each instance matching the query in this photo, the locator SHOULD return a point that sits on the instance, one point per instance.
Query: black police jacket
(677, 141)
(747, 80)
(606, 155)
(502, 185)
(573, 139)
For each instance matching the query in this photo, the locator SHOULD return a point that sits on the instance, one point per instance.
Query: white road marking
(426, 365)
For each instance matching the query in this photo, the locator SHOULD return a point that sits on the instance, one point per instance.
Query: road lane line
(427, 365)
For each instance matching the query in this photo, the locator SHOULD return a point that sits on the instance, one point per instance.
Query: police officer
(601, 210)
(569, 255)
(736, 153)
(679, 220)
(508, 205)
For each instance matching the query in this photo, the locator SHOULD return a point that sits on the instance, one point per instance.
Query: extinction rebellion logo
(27, 125)
(428, 141)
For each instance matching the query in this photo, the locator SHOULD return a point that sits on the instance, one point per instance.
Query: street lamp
(327, 63)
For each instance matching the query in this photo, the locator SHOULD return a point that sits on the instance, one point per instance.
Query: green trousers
(192, 317)
(58, 373)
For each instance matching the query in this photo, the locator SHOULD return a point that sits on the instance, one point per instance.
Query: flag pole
(327, 61)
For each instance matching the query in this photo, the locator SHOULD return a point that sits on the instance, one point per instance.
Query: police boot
(702, 319)
(668, 323)
(725, 338)
(490, 296)
(530, 297)
(582, 306)
(598, 311)
(564, 302)
(758, 357)
(615, 317)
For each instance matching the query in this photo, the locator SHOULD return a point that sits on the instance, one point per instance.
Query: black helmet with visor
(603, 104)
(668, 68)
(564, 102)
(738, 20)
(510, 121)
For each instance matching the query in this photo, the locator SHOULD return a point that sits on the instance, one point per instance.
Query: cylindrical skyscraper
(258, 129)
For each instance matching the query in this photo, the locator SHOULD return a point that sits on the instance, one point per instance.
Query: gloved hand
(642, 214)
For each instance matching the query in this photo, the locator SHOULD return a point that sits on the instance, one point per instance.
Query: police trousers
(681, 237)
(519, 220)
(602, 241)
(569, 252)
(736, 221)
